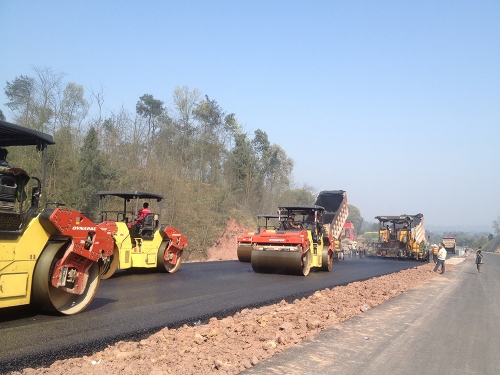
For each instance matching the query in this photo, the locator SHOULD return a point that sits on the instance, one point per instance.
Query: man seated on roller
(291, 222)
(143, 212)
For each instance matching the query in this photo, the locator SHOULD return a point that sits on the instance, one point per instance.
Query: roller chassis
(143, 245)
(292, 251)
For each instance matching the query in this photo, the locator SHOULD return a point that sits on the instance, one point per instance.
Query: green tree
(34, 101)
(302, 196)
(277, 167)
(151, 109)
(2, 116)
(355, 217)
(94, 174)
(211, 135)
(21, 96)
(241, 164)
(74, 107)
(185, 102)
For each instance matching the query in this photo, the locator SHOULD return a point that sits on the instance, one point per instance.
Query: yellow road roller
(133, 218)
(49, 259)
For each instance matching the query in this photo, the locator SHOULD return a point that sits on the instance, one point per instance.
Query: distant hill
(493, 245)
(459, 228)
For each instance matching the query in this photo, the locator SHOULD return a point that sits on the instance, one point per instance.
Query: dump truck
(336, 213)
(139, 240)
(294, 248)
(348, 232)
(49, 258)
(402, 237)
(348, 240)
(244, 247)
(450, 243)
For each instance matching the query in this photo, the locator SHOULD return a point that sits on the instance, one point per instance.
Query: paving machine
(334, 218)
(264, 222)
(293, 250)
(402, 237)
(50, 259)
(140, 240)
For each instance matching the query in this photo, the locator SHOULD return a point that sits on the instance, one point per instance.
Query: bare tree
(496, 225)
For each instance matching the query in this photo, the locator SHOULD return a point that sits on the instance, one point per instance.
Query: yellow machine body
(136, 252)
(18, 257)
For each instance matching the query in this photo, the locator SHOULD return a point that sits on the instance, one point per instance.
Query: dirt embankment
(225, 246)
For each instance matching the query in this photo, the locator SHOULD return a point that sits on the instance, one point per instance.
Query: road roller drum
(244, 252)
(294, 247)
(284, 262)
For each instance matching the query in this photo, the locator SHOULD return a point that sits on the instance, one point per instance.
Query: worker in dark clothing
(479, 261)
(3, 158)
(291, 222)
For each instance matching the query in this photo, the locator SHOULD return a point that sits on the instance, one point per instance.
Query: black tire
(110, 268)
(326, 261)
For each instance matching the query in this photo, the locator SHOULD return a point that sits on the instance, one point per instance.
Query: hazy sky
(396, 102)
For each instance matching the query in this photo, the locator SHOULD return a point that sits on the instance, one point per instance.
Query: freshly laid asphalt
(448, 325)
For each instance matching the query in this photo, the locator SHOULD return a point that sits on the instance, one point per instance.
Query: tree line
(193, 152)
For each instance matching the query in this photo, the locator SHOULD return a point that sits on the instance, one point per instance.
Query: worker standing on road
(479, 261)
(435, 250)
(354, 249)
(441, 258)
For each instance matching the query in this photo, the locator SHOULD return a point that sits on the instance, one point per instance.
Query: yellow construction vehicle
(140, 240)
(50, 259)
(402, 237)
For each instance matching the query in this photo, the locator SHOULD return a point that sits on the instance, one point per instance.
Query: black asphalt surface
(448, 326)
(133, 305)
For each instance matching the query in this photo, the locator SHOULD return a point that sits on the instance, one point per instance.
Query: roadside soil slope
(232, 344)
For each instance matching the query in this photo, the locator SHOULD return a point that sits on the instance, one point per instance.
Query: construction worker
(3, 158)
(479, 260)
(441, 258)
(435, 250)
(143, 212)
(354, 249)
(291, 222)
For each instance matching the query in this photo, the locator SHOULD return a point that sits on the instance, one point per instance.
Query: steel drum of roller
(264, 222)
(244, 252)
(284, 262)
(296, 246)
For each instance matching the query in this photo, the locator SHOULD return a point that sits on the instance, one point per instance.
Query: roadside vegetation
(493, 243)
(193, 152)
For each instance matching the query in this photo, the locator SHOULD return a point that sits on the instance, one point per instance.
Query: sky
(395, 102)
